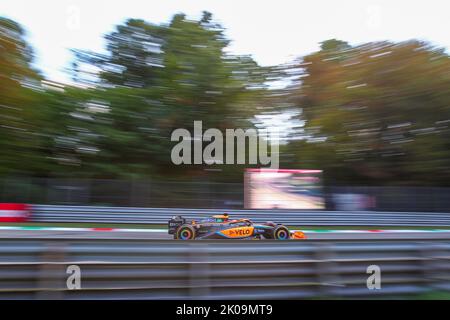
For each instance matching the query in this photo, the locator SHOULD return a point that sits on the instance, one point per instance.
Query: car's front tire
(280, 233)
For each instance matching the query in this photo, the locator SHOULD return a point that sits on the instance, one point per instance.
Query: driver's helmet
(221, 218)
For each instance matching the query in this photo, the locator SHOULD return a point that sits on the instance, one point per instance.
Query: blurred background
(357, 92)
(373, 116)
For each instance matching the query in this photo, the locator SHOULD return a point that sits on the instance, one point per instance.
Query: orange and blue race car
(221, 227)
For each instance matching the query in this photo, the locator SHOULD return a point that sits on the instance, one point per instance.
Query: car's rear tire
(280, 233)
(185, 232)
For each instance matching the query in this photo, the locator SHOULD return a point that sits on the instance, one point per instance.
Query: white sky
(273, 31)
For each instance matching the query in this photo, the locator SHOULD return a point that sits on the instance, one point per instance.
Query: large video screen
(283, 189)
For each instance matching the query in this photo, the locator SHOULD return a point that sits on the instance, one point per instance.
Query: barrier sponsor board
(14, 212)
(283, 189)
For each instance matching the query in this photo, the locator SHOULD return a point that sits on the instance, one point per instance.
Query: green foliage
(154, 79)
(379, 110)
(376, 113)
(16, 99)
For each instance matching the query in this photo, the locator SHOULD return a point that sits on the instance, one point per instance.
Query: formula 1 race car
(220, 227)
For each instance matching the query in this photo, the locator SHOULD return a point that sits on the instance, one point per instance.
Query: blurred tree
(186, 76)
(135, 55)
(377, 111)
(17, 81)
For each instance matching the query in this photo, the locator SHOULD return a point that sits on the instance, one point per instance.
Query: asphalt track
(158, 234)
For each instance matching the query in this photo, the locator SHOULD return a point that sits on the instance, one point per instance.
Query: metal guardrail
(51, 213)
(137, 269)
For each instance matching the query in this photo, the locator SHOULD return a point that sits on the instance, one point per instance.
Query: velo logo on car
(238, 232)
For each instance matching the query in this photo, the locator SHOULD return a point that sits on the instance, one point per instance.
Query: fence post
(51, 272)
(326, 269)
(431, 259)
(199, 271)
